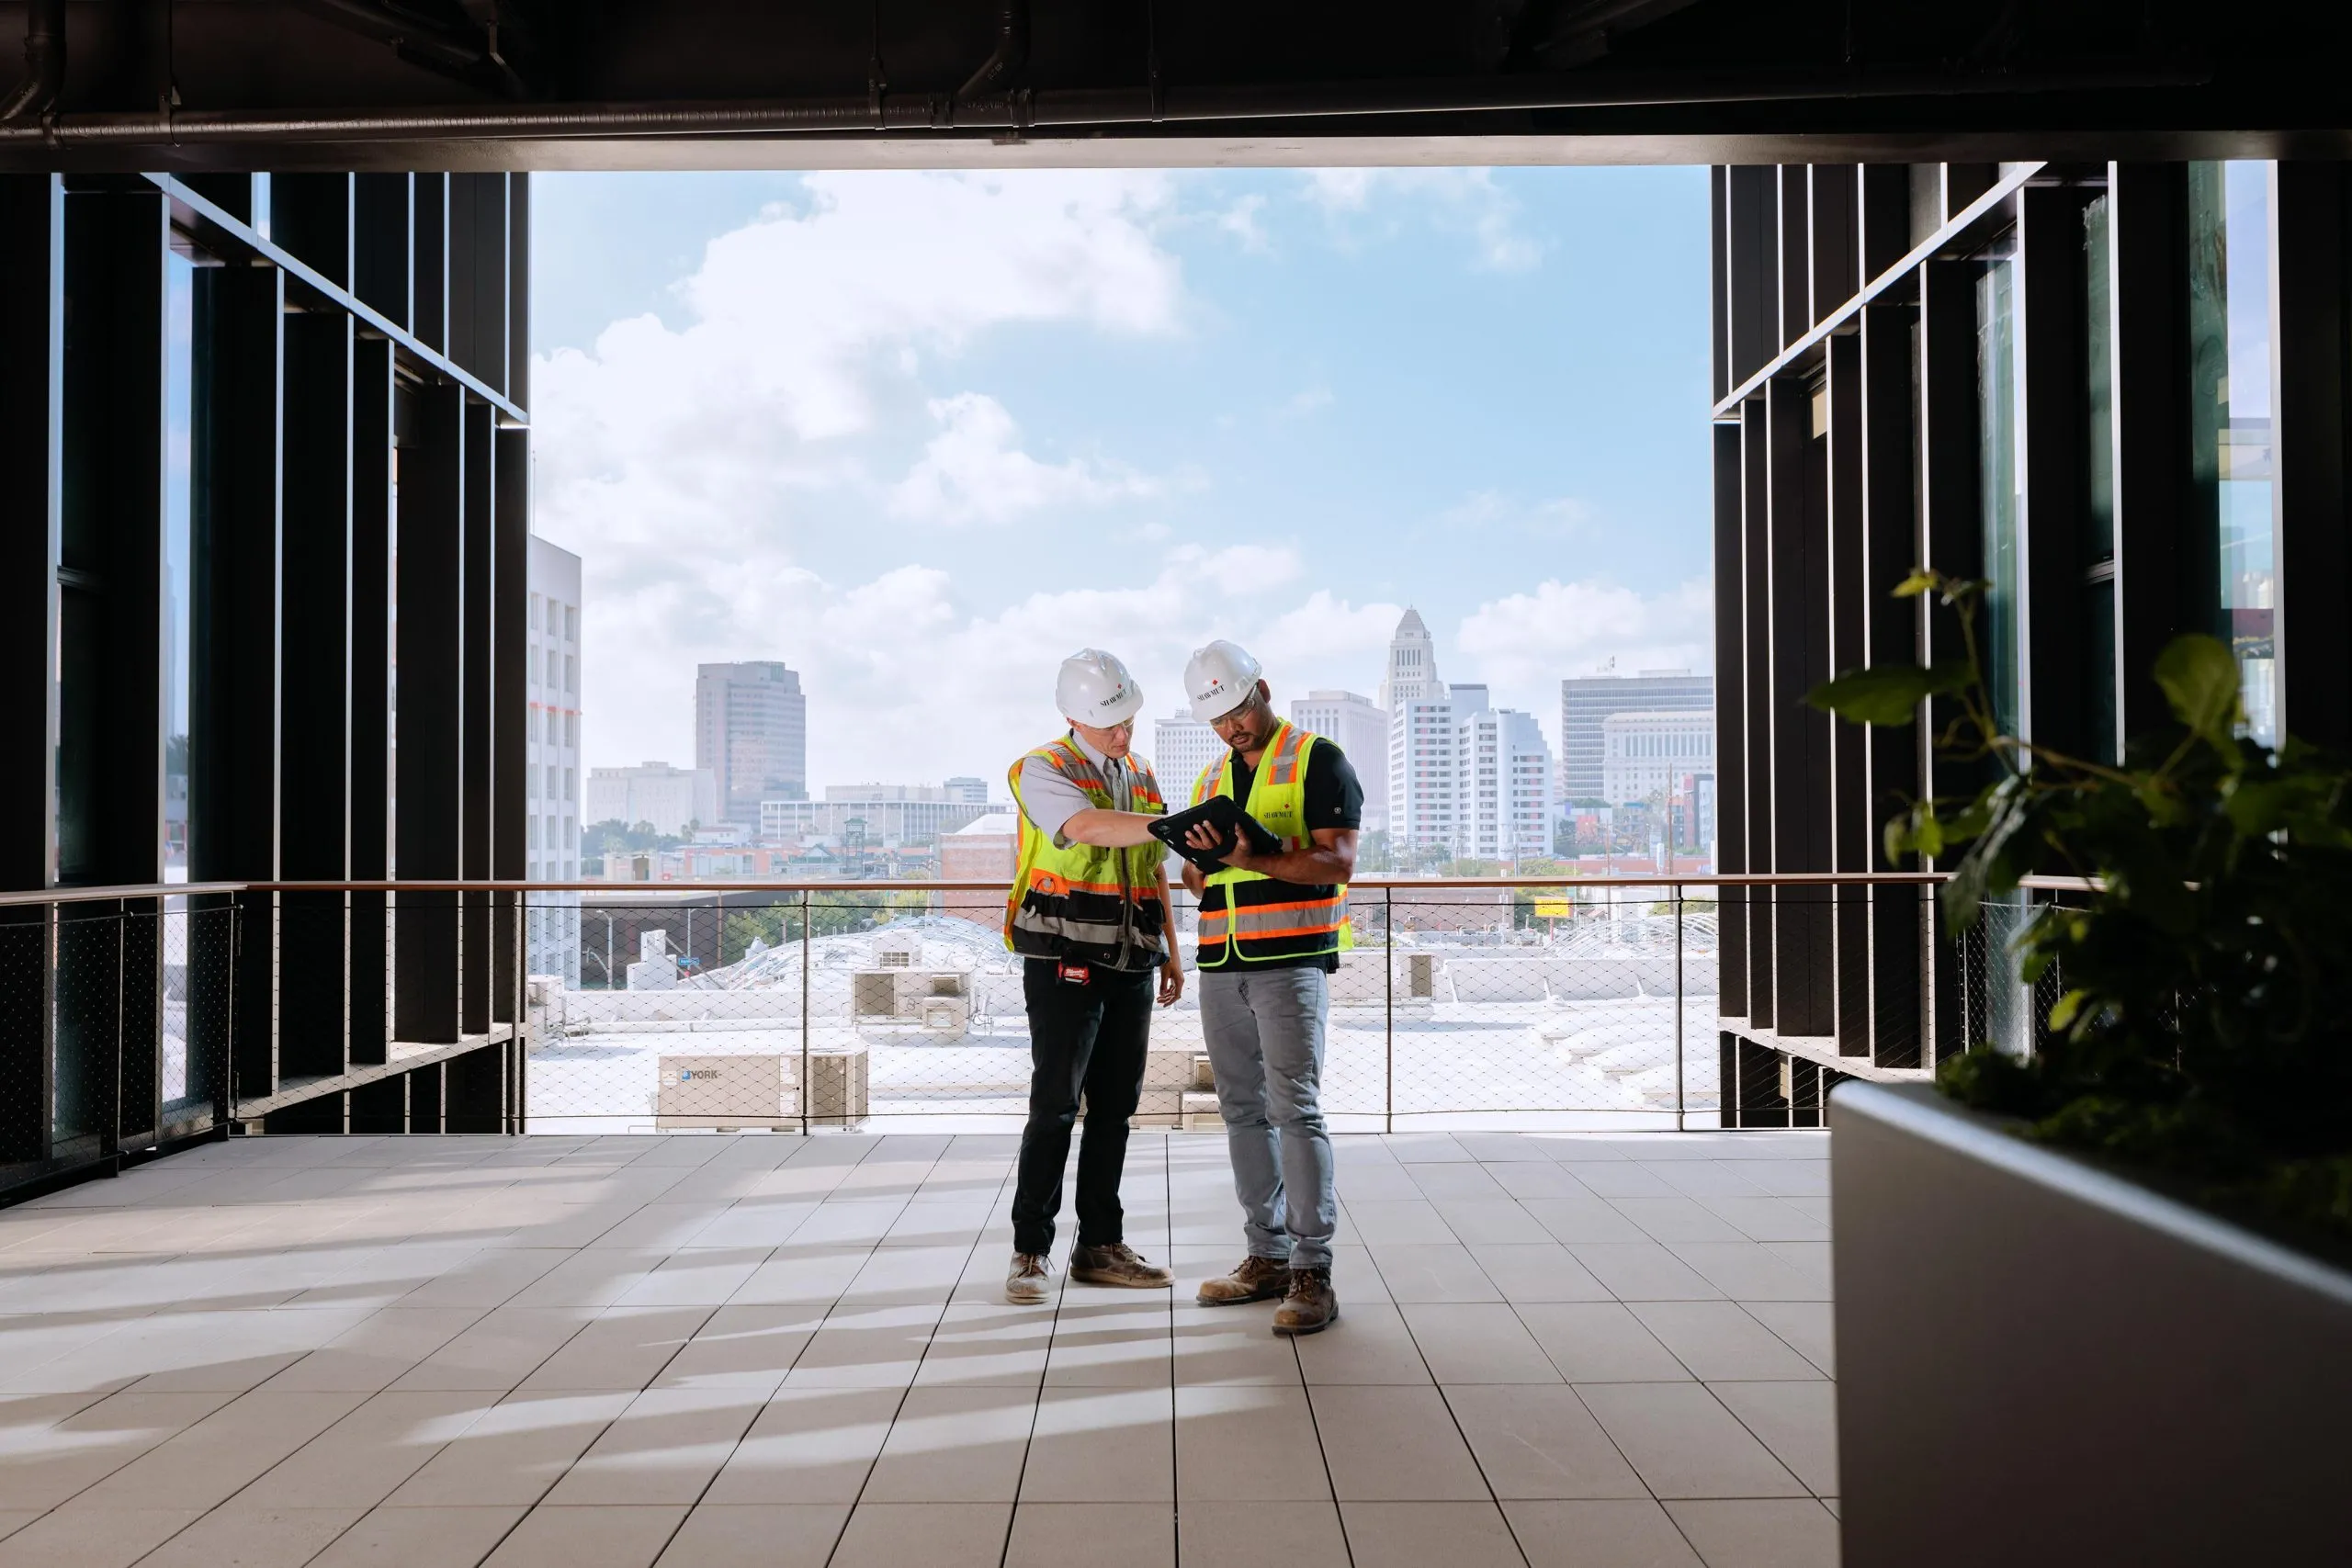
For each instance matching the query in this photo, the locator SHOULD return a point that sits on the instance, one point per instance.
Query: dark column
(1850, 808)
(430, 594)
(1893, 548)
(371, 689)
(2308, 433)
(314, 821)
(1885, 216)
(381, 1106)
(1731, 729)
(1719, 277)
(474, 1098)
(2164, 583)
(233, 643)
(518, 289)
(1754, 586)
(32, 315)
(110, 759)
(425, 1100)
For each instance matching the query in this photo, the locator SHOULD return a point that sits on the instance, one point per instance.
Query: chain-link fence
(115, 1027)
(1574, 1006)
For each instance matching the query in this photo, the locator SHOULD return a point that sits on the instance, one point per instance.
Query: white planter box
(2039, 1362)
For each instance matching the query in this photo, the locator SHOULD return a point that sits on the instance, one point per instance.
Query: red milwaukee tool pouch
(1076, 974)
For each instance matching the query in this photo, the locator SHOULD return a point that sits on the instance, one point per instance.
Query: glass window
(2001, 479)
(179, 403)
(2230, 450)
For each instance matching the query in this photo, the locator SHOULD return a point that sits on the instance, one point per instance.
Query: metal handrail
(1662, 879)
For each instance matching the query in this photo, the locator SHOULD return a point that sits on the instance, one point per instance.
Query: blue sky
(920, 435)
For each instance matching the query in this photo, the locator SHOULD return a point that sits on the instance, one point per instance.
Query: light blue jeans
(1265, 1040)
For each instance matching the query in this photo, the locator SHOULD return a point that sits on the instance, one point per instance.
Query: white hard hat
(1220, 678)
(1095, 690)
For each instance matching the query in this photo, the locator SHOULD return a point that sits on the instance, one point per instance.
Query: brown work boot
(1258, 1280)
(1116, 1264)
(1310, 1307)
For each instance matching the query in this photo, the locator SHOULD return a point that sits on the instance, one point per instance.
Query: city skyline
(773, 440)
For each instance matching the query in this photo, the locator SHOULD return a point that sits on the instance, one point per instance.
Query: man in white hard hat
(1089, 914)
(1272, 926)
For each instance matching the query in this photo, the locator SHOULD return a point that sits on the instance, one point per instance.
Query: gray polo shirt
(1048, 799)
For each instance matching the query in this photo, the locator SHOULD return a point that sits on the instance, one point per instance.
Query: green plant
(2204, 1028)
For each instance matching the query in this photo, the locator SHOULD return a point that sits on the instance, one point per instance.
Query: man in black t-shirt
(1270, 930)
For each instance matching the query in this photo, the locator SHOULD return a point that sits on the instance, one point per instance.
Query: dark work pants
(1087, 1039)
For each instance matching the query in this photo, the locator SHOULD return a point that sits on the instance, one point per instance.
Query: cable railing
(133, 1016)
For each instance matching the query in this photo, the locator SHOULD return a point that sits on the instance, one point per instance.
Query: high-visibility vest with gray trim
(1085, 902)
(1247, 917)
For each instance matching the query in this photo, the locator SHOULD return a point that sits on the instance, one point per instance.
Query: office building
(873, 816)
(671, 800)
(1360, 729)
(971, 790)
(1503, 788)
(751, 732)
(1181, 749)
(1586, 705)
(1643, 754)
(551, 758)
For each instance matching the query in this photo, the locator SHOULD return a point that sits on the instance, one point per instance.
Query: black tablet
(1220, 813)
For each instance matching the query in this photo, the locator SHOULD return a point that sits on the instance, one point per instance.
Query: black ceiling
(727, 83)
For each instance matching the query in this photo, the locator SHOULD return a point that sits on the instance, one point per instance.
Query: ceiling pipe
(1072, 108)
(36, 95)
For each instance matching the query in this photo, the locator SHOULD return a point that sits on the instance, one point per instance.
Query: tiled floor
(614, 1352)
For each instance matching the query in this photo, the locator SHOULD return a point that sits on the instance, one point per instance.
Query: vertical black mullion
(1885, 216)
(1953, 526)
(433, 461)
(478, 664)
(371, 673)
(234, 630)
(518, 290)
(1891, 551)
(315, 823)
(2160, 591)
(2050, 350)
(487, 284)
(1803, 988)
(382, 253)
(429, 261)
(1731, 729)
(463, 261)
(1753, 235)
(1755, 696)
(1795, 266)
(1850, 808)
(1719, 281)
(2310, 206)
(1837, 249)
(511, 524)
(310, 215)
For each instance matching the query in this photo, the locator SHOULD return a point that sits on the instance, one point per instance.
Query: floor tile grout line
(899, 1409)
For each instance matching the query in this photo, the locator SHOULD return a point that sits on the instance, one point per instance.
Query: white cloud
(1524, 644)
(1240, 221)
(971, 472)
(686, 464)
(1494, 509)
(1467, 200)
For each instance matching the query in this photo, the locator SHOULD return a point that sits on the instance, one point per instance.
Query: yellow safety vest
(1085, 902)
(1247, 917)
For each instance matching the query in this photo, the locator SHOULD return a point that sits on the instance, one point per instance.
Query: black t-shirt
(1334, 799)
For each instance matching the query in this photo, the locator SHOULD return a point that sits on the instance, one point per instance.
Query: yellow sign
(1554, 910)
